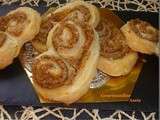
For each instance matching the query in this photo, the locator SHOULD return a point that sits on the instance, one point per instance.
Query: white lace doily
(32, 113)
(121, 5)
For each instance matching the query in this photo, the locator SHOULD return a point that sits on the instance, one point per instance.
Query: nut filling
(112, 41)
(144, 29)
(14, 23)
(78, 13)
(50, 72)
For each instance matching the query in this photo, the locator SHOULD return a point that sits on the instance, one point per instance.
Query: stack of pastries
(73, 41)
(70, 51)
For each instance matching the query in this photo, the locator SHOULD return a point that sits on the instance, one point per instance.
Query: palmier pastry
(64, 72)
(20, 26)
(116, 58)
(8, 49)
(141, 36)
(23, 23)
(74, 11)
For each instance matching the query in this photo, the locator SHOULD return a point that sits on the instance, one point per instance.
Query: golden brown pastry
(23, 23)
(74, 11)
(81, 11)
(19, 26)
(64, 72)
(48, 21)
(8, 49)
(141, 36)
(116, 58)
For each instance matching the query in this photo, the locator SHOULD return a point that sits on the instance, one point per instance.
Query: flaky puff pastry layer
(141, 36)
(120, 66)
(75, 11)
(116, 58)
(29, 26)
(82, 11)
(8, 49)
(76, 55)
(19, 26)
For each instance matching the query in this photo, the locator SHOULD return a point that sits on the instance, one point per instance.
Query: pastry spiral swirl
(69, 64)
(80, 11)
(23, 23)
(20, 26)
(116, 57)
(141, 36)
(51, 72)
(112, 41)
(75, 11)
(71, 40)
